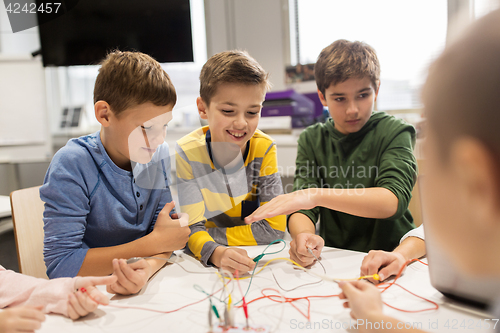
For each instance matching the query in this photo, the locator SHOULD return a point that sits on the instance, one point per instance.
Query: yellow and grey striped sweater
(217, 199)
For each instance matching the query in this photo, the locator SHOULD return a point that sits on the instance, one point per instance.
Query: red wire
(291, 300)
(245, 307)
(147, 309)
(387, 285)
(436, 306)
(279, 299)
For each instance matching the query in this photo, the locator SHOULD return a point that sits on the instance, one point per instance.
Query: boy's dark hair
(127, 79)
(462, 92)
(343, 60)
(230, 67)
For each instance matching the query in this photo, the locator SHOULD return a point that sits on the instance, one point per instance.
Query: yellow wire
(227, 290)
(374, 276)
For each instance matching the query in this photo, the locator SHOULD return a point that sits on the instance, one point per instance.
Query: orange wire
(147, 309)
(387, 285)
(291, 300)
(279, 299)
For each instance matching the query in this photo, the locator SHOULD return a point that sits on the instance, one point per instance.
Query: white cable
(282, 311)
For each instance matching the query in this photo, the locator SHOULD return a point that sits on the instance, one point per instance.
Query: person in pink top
(27, 299)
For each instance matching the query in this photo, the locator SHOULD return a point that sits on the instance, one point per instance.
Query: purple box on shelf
(289, 103)
(318, 107)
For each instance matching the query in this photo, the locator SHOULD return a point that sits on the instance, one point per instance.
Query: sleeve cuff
(417, 232)
(206, 252)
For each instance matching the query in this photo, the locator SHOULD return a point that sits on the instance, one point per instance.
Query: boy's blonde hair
(127, 79)
(230, 67)
(462, 92)
(343, 60)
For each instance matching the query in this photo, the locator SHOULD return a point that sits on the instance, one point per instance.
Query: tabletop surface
(172, 288)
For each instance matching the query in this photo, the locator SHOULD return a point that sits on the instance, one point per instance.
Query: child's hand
(389, 263)
(131, 277)
(168, 232)
(181, 218)
(284, 204)
(21, 319)
(363, 299)
(82, 303)
(232, 259)
(298, 248)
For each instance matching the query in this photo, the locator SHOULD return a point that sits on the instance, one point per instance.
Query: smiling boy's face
(233, 113)
(350, 103)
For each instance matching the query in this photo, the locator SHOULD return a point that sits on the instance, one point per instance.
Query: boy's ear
(102, 113)
(322, 98)
(477, 176)
(202, 108)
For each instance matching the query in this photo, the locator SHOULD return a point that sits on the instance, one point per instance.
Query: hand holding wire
(312, 253)
(131, 277)
(232, 259)
(299, 248)
(384, 263)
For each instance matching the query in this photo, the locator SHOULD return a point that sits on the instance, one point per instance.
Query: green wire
(200, 289)
(257, 259)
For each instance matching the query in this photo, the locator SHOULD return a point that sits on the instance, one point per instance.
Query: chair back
(27, 217)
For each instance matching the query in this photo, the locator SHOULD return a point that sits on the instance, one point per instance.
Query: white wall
(260, 27)
(17, 48)
(23, 42)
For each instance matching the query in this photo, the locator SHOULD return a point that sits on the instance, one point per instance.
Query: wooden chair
(27, 216)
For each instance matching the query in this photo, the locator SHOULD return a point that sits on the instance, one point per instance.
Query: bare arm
(299, 223)
(167, 236)
(411, 248)
(374, 202)
(98, 261)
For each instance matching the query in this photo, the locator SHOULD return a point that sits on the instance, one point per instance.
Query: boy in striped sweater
(228, 169)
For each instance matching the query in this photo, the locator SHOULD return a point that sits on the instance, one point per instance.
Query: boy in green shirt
(356, 171)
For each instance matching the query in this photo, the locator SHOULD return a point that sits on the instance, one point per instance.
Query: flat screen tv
(84, 31)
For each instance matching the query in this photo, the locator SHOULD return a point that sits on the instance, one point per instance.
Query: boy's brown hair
(127, 79)
(230, 67)
(343, 60)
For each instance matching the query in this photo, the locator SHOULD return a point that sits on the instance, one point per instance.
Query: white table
(172, 288)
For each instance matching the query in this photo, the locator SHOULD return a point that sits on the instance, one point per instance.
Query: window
(407, 36)
(483, 7)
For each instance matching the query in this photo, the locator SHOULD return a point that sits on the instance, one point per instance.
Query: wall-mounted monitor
(84, 31)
